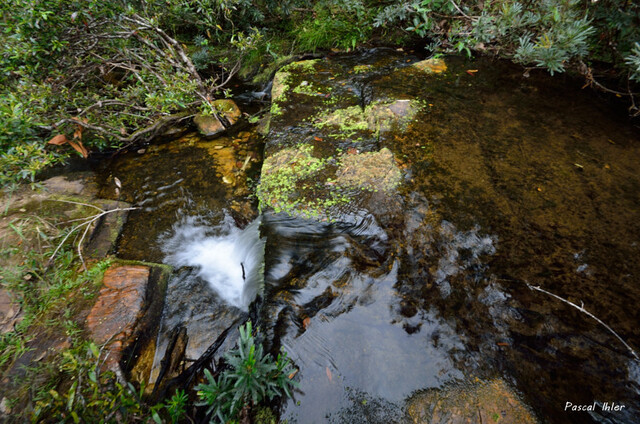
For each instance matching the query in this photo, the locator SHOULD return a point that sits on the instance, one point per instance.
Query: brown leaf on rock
(329, 375)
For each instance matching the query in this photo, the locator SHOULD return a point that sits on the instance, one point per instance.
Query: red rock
(113, 318)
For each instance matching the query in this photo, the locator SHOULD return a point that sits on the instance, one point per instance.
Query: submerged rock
(370, 171)
(481, 402)
(431, 66)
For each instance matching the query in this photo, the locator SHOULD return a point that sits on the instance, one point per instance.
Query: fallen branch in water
(583, 310)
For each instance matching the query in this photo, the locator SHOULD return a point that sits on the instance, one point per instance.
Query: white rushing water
(230, 259)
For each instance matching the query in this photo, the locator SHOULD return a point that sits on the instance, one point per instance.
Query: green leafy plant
(252, 377)
(93, 396)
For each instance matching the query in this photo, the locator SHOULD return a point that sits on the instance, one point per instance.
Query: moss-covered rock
(376, 117)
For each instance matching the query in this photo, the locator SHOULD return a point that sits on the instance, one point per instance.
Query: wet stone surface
(112, 320)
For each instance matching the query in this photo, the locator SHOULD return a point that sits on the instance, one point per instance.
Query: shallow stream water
(508, 181)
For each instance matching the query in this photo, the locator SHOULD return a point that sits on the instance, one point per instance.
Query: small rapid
(228, 258)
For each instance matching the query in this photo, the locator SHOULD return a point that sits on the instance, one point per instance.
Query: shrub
(252, 377)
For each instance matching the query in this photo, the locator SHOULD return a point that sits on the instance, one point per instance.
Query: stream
(507, 181)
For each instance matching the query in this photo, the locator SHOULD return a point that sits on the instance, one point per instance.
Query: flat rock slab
(114, 316)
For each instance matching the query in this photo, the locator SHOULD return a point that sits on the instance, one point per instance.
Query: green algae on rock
(376, 117)
(296, 182)
(289, 182)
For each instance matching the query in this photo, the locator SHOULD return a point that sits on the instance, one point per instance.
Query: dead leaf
(78, 147)
(77, 134)
(329, 375)
(306, 322)
(58, 140)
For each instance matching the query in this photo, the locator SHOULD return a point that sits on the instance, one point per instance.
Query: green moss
(280, 86)
(305, 87)
(306, 66)
(378, 116)
(296, 182)
(349, 120)
(360, 69)
(276, 110)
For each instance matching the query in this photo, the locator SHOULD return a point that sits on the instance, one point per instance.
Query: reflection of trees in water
(554, 354)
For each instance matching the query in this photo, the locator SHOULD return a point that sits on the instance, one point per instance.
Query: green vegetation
(292, 181)
(252, 377)
(556, 35)
(112, 74)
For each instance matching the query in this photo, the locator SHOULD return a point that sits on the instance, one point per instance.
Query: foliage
(633, 60)
(552, 34)
(343, 24)
(112, 68)
(253, 376)
(94, 395)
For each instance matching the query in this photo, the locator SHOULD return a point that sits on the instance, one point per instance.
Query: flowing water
(508, 181)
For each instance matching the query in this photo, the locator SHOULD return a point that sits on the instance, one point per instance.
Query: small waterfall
(230, 259)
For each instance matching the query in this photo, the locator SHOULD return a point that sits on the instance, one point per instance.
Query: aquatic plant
(252, 377)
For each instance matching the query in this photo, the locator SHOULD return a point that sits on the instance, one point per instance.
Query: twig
(583, 310)
(90, 220)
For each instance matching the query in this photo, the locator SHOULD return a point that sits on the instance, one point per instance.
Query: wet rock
(193, 317)
(370, 171)
(228, 109)
(208, 125)
(317, 124)
(227, 114)
(478, 402)
(113, 318)
(431, 66)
